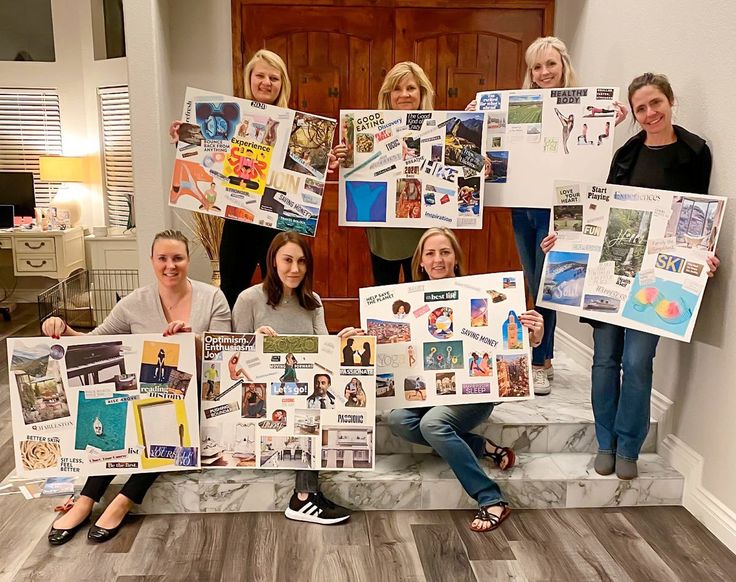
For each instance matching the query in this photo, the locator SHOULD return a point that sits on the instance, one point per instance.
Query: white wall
(611, 43)
(76, 75)
(171, 44)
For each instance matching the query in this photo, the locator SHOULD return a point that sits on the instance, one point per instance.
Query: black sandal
(499, 454)
(495, 520)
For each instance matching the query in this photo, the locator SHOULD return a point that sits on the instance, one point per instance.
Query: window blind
(30, 126)
(117, 153)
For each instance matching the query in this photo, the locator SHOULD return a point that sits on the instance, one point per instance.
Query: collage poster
(251, 162)
(630, 256)
(288, 402)
(412, 169)
(104, 405)
(537, 135)
(450, 341)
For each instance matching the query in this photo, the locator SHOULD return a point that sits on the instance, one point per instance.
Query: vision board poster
(534, 136)
(634, 257)
(412, 169)
(450, 341)
(288, 402)
(103, 405)
(251, 162)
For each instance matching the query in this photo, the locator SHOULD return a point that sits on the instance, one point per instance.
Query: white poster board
(252, 162)
(634, 257)
(535, 136)
(288, 402)
(450, 341)
(412, 169)
(103, 405)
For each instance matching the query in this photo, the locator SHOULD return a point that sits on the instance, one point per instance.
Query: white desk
(55, 253)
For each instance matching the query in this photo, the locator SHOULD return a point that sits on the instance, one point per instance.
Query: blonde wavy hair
(569, 79)
(272, 59)
(396, 75)
(418, 273)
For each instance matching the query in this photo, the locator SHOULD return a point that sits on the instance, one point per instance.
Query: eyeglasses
(672, 311)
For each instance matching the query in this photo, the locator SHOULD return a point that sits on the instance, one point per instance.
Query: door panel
(337, 57)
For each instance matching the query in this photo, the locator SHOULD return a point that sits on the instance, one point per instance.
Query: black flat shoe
(58, 537)
(99, 534)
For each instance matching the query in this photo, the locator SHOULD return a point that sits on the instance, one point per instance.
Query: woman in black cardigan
(665, 157)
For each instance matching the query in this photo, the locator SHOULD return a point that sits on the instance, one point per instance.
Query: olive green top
(393, 244)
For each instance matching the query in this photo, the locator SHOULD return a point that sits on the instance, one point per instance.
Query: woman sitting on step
(174, 304)
(447, 428)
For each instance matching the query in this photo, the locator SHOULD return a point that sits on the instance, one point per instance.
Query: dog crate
(85, 298)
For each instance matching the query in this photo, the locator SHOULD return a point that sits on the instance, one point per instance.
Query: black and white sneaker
(316, 508)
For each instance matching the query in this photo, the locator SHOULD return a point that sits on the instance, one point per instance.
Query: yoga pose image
(567, 122)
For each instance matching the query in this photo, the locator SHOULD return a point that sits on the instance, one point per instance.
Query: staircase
(553, 436)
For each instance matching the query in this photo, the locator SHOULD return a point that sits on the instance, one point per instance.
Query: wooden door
(337, 57)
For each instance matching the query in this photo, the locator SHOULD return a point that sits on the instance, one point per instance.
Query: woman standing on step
(666, 157)
(174, 304)
(405, 87)
(548, 67)
(447, 428)
(286, 304)
(267, 81)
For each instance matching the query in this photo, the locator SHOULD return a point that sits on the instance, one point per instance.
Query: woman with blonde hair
(266, 81)
(447, 428)
(548, 66)
(406, 87)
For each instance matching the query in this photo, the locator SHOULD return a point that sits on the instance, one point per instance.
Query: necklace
(173, 305)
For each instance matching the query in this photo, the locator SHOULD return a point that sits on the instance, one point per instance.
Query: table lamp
(68, 170)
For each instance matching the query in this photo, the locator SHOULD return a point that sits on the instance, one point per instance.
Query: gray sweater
(251, 311)
(141, 312)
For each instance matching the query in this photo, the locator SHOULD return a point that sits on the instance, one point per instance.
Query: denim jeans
(531, 225)
(621, 405)
(447, 430)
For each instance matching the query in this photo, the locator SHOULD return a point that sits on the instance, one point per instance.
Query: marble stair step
(410, 481)
(532, 435)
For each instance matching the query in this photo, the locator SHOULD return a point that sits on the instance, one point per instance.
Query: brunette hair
(418, 272)
(569, 79)
(395, 76)
(275, 61)
(661, 82)
(272, 285)
(171, 234)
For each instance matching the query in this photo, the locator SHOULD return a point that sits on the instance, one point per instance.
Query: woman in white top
(174, 304)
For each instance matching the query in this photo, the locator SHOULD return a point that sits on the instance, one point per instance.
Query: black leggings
(386, 272)
(135, 487)
(243, 246)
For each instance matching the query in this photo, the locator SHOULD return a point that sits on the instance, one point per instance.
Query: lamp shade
(62, 168)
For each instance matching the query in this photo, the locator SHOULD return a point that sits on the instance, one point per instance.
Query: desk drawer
(6, 243)
(35, 246)
(26, 263)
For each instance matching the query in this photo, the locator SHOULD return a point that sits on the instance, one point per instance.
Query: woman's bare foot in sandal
(489, 518)
(503, 457)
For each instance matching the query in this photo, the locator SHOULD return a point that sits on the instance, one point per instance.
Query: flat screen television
(16, 188)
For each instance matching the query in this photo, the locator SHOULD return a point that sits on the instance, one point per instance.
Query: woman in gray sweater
(285, 303)
(174, 304)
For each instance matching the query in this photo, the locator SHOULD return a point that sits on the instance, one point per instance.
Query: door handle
(30, 246)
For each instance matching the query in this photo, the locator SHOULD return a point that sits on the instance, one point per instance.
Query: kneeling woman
(285, 304)
(174, 304)
(447, 428)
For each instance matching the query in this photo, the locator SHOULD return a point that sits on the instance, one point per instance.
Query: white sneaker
(541, 382)
(550, 373)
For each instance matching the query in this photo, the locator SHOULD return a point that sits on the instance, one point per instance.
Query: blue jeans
(621, 406)
(531, 225)
(447, 430)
